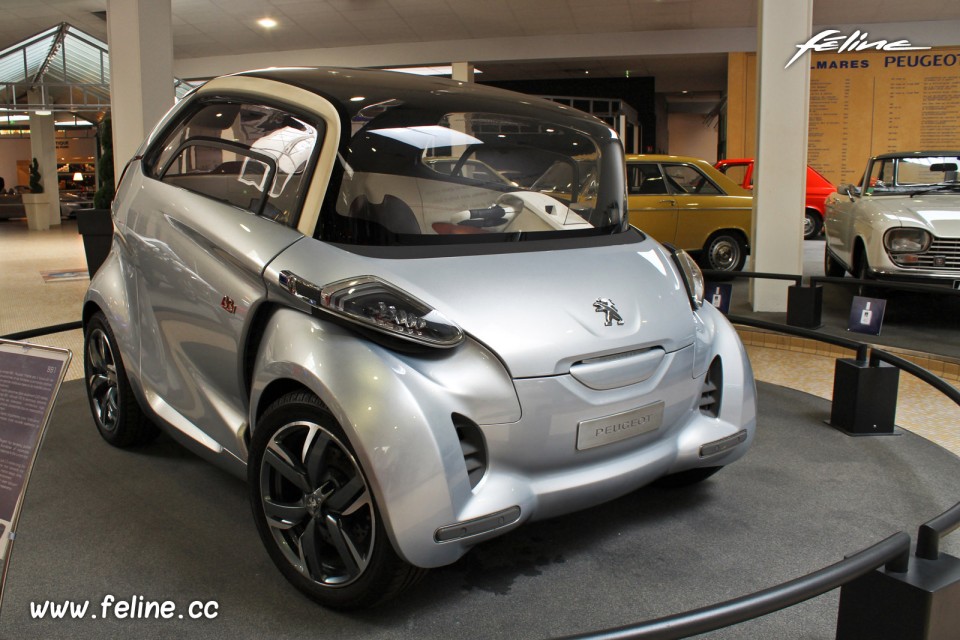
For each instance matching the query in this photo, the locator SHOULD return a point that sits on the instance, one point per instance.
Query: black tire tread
(395, 577)
(134, 428)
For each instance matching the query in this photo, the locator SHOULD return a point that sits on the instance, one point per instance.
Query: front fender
(396, 410)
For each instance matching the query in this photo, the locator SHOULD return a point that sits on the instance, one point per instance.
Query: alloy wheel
(317, 504)
(102, 381)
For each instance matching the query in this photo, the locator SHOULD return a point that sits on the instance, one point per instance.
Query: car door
(702, 206)
(652, 208)
(219, 198)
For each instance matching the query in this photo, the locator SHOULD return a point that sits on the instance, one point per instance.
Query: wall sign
(30, 378)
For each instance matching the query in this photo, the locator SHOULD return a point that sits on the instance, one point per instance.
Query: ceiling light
(267, 23)
(43, 112)
(438, 70)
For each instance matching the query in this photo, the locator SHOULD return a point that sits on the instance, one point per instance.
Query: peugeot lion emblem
(609, 311)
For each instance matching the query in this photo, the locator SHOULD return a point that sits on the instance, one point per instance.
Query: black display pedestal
(804, 306)
(864, 397)
(96, 227)
(921, 604)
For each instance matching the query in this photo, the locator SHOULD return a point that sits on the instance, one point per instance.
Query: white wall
(689, 136)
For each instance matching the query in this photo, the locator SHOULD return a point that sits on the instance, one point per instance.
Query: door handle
(670, 202)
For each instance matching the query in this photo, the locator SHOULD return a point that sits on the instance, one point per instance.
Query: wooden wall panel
(861, 104)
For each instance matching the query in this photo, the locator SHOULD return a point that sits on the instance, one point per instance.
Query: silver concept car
(354, 289)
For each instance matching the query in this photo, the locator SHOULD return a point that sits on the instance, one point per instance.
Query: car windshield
(898, 176)
(408, 178)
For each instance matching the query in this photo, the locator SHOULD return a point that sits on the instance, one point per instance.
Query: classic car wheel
(831, 268)
(725, 252)
(116, 413)
(811, 225)
(315, 511)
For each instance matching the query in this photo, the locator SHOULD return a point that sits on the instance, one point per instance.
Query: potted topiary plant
(96, 225)
(36, 203)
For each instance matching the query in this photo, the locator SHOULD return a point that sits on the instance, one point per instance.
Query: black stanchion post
(804, 306)
(864, 397)
(921, 603)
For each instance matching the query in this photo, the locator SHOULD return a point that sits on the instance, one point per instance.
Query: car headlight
(375, 304)
(907, 240)
(692, 276)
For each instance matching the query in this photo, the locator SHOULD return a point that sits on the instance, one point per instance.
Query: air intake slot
(712, 391)
(472, 446)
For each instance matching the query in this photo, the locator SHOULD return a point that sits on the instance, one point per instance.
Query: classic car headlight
(907, 240)
(692, 276)
(373, 303)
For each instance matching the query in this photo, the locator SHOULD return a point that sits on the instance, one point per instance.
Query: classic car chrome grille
(943, 254)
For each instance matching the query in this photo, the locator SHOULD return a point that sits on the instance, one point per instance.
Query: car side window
(645, 179)
(686, 179)
(881, 176)
(251, 156)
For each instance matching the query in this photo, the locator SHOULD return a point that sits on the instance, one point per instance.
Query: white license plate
(601, 431)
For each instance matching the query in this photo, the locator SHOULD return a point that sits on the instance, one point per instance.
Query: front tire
(725, 251)
(118, 416)
(314, 509)
(863, 273)
(832, 268)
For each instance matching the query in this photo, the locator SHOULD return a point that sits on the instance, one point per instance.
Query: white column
(462, 71)
(782, 106)
(140, 38)
(43, 147)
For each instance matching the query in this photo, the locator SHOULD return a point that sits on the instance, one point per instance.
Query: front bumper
(400, 413)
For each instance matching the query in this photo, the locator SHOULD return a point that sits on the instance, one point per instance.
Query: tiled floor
(27, 302)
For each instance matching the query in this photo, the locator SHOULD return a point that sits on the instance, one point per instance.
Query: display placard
(718, 295)
(30, 379)
(866, 315)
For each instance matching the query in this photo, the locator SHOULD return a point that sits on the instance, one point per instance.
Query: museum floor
(44, 278)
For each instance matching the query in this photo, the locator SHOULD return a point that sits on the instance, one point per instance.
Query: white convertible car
(902, 222)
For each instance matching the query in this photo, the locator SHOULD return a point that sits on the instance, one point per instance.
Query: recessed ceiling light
(267, 23)
(436, 70)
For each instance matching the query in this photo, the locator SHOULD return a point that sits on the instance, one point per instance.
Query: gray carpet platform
(162, 524)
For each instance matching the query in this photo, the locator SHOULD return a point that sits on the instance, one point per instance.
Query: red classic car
(740, 170)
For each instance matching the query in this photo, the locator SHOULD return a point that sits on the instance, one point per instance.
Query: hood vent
(712, 391)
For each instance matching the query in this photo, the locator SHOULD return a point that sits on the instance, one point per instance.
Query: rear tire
(118, 416)
(314, 509)
(726, 251)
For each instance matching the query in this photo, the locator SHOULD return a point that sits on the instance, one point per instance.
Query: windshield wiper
(941, 188)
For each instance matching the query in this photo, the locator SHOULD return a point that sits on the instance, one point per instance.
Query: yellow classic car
(689, 204)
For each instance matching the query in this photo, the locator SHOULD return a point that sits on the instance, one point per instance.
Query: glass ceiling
(61, 69)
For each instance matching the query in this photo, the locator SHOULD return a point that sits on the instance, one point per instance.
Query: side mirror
(850, 190)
